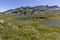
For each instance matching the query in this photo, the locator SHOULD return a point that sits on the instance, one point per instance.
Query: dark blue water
(52, 22)
(23, 18)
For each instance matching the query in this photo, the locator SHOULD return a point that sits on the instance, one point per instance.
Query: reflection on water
(23, 18)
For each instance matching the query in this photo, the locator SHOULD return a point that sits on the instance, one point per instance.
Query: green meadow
(29, 26)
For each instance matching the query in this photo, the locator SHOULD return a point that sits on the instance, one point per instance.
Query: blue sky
(10, 4)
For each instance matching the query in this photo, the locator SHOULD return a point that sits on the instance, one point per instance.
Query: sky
(11, 4)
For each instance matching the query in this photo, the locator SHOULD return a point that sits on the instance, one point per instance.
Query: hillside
(27, 23)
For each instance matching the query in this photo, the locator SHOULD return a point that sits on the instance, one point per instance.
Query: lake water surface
(51, 22)
(23, 18)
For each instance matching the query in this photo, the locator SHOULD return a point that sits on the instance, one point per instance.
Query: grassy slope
(54, 15)
(28, 29)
